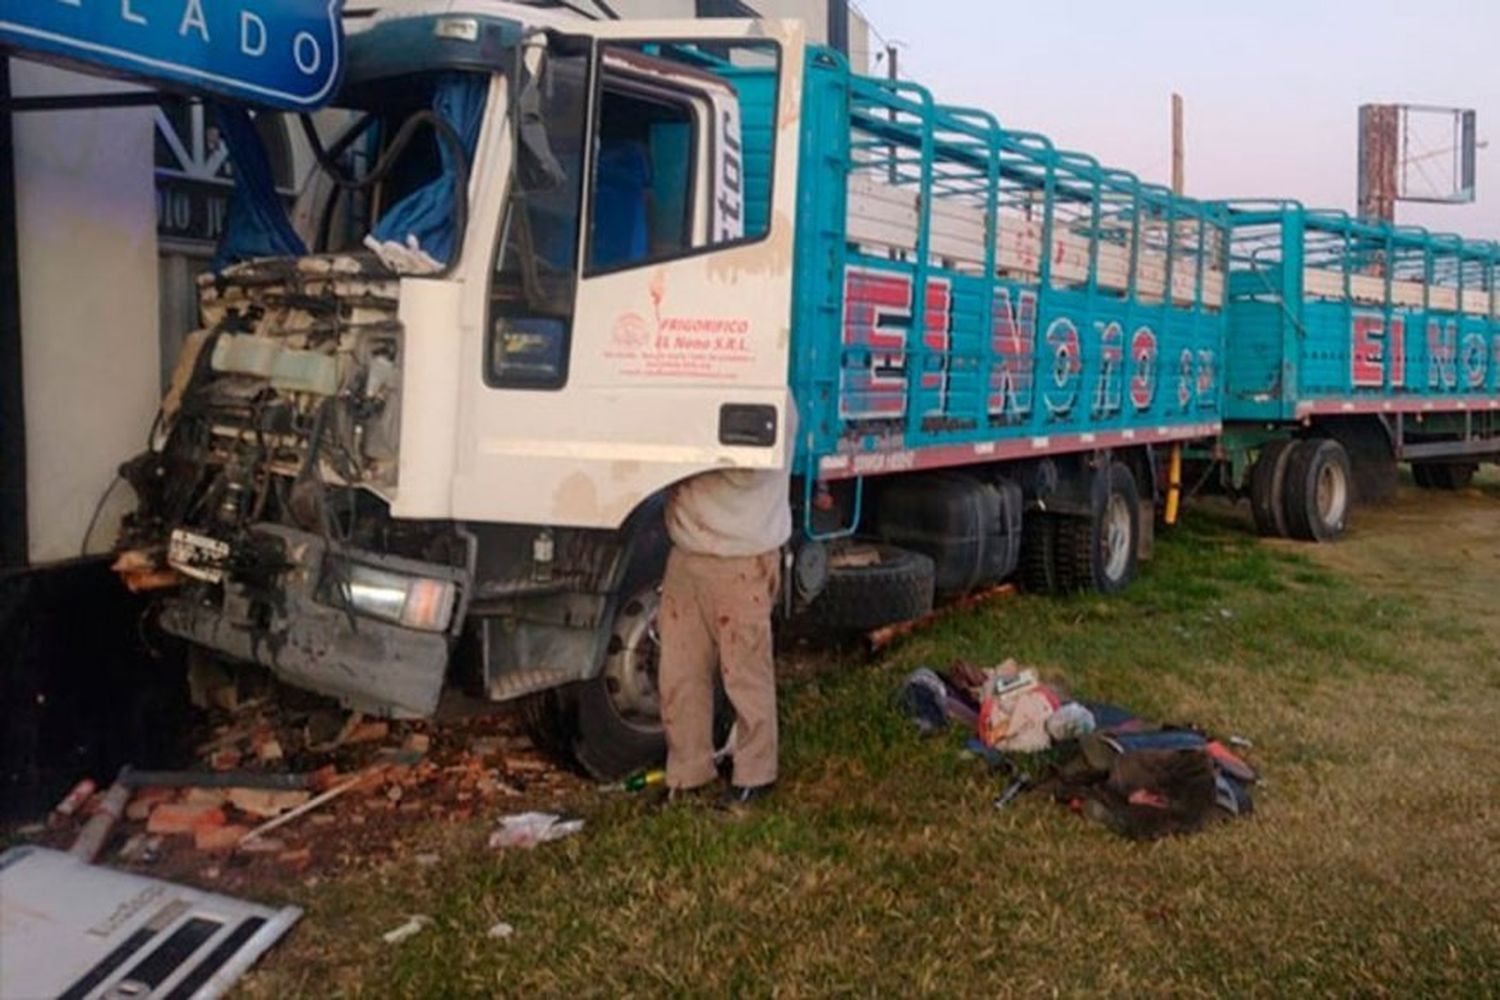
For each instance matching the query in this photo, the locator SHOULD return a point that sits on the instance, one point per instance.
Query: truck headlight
(415, 602)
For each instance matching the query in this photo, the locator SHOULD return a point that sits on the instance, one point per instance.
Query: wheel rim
(1332, 495)
(630, 672)
(1114, 539)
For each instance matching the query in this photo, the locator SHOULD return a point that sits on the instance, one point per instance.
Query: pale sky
(1272, 87)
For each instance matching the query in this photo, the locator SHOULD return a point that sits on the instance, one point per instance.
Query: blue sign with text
(271, 53)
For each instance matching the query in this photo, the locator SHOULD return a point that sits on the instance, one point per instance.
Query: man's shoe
(740, 798)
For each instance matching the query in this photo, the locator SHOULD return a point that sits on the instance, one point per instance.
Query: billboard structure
(1414, 152)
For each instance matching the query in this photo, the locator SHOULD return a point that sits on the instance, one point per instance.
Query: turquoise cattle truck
(555, 265)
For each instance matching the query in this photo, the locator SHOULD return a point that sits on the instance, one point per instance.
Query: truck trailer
(553, 266)
(1354, 346)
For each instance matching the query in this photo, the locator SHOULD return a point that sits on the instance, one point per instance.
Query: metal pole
(893, 73)
(1379, 130)
(1178, 152)
(14, 544)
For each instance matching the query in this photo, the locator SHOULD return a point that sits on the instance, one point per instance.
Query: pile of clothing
(1140, 779)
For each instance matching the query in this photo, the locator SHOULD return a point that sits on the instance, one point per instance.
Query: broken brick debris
(265, 803)
(183, 817)
(407, 775)
(219, 839)
(368, 732)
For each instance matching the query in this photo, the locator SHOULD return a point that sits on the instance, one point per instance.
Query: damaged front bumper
(297, 618)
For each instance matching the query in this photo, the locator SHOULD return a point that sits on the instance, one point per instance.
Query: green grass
(1372, 866)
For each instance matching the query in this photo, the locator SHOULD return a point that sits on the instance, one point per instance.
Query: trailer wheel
(1267, 482)
(1318, 491)
(1101, 552)
(1039, 553)
(1443, 476)
(870, 586)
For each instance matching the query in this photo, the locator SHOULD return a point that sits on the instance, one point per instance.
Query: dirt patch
(420, 786)
(1436, 547)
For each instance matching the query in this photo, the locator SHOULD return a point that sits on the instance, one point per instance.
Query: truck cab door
(634, 326)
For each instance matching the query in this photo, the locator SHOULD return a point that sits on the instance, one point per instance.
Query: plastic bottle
(644, 780)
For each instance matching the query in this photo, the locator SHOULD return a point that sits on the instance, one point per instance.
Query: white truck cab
(548, 274)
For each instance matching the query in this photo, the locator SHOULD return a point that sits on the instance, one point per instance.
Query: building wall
(86, 227)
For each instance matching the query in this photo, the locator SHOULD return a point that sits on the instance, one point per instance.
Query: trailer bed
(1064, 306)
(1330, 315)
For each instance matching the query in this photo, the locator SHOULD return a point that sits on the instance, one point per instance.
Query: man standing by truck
(727, 528)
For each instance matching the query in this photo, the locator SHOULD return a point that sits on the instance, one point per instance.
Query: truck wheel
(870, 586)
(618, 723)
(1443, 476)
(551, 719)
(1100, 552)
(1318, 491)
(616, 728)
(1267, 482)
(1039, 553)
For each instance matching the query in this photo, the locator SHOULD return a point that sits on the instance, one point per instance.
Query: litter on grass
(501, 931)
(411, 928)
(527, 830)
(1139, 779)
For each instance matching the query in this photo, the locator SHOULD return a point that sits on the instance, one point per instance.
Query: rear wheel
(1039, 553)
(1318, 490)
(1101, 552)
(1267, 481)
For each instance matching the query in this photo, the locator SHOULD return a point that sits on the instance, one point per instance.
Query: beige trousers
(716, 611)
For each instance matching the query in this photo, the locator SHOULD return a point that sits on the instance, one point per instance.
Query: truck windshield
(395, 178)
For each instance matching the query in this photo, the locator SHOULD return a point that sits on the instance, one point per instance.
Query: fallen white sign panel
(76, 930)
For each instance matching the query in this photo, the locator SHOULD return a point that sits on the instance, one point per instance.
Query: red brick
(323, 778)
(225, 760)
(181, 817)
(369, 732)
(145, 800)
(218, 838)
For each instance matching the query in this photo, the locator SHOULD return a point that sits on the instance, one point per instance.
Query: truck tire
(1039, 553)
(1443, 475)
(1101, 552)
(1318, 491)
(550, 718)
(613, 721)
(1267, 482)
(618, 728)
(871, 585)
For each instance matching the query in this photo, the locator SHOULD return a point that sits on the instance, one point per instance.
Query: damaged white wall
(86, 226)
